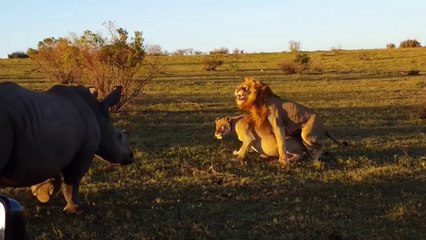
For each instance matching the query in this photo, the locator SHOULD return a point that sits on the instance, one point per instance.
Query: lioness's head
(251, 92)
(223, 127)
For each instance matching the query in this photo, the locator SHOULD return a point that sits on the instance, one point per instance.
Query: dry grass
(183, 185)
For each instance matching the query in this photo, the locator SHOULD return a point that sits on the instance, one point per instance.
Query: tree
(154, 50)
(58, 60)
(17, 55)
(294, 46)
(113, 61)
(390, 46)
(95, 60)
(409, 43)
(237, 51)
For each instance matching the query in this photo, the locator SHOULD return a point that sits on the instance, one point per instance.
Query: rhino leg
(74, 205)
(72, 177)
(43, 191)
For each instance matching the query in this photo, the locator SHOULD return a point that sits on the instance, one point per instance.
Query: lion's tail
(341, 143)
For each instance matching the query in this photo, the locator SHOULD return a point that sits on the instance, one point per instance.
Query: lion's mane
(255, 104)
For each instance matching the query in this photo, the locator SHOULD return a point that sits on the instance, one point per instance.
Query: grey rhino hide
(44, 134)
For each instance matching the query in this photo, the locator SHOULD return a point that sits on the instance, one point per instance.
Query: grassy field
(183, 185)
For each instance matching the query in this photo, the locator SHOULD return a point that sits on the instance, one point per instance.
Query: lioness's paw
(293, 158)
(283, 161)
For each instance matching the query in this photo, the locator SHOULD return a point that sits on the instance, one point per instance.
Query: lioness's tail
(341, 143)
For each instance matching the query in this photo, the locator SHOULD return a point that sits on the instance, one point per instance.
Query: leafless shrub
(237, 51)
(186, 52)
(294, 46)
(221, 50)
(289, 67)
(154, 50)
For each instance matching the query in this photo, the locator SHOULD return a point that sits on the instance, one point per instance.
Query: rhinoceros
(55, 134)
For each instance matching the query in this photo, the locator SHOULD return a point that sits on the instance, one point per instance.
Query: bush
(221, 50)
(390, 46)
(303, 60)
(413, 72)
(18, 55)
(410, 43)
(58, 60)
(211, 63)
(94, 60)
(237, 51)
(289, 67)
(301, 63)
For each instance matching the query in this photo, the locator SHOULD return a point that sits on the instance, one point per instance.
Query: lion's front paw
(283, 161)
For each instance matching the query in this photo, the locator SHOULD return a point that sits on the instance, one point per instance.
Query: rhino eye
(120, 136)
(126, 133)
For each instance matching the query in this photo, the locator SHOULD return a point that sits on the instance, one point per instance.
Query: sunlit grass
(183, 185)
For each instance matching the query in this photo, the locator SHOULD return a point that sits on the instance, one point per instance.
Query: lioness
(260, 140)
(284, 117)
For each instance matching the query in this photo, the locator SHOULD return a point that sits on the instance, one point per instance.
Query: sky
(204, 25)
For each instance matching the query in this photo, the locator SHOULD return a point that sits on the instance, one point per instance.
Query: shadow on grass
(359, 126)
(256, 201)
(296, 209)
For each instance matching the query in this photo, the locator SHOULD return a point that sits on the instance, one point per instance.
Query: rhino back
(48, 129)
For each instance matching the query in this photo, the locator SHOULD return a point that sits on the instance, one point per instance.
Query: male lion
(260, 140)
(284, 117)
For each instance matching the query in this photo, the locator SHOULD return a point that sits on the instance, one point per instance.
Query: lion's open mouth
(241, 95)
(241, 99)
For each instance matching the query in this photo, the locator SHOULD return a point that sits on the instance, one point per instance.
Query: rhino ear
(93, 91)
(114, 97)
